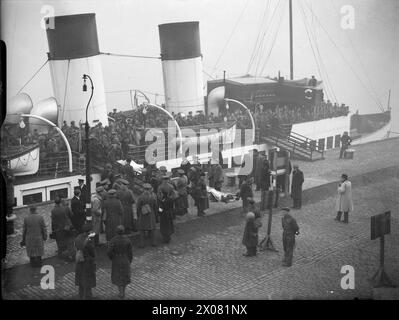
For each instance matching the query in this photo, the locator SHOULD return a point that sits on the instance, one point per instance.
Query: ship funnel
(21, 103)
(47, 109)
(182, 67)
(74, 51)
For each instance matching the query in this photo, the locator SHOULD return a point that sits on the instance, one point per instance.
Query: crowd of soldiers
(291, 114)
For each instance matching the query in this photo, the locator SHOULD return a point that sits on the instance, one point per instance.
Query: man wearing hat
(216, 175)
(112, 214)
(181, 188)
(120, 251)
(128, 172)
(166, 194)
(147, 208)
(85, 268)
(78, 211)
(290, 230)
(96, 213)
(296, 187)
(34, 234)
(344, 201)
(125, 195)
(200, 194)
(245, 192)
(83, 191)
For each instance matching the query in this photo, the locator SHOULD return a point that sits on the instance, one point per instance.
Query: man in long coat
(200, 194)
(85, 268)
(96, 213)
(166, 206)
(250, 237)
(246, 192)
(83, 191)
(61, 226)
(120, 251)
(290, 230)
(125, 195)
(34, 234)
(181, 203)
(78, 211)
(112, 214)
(296, 187)
(147, 208)
(344, 201)
(216, 176)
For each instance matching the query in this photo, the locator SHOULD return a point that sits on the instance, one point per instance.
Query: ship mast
(291, 44)
(389, 100)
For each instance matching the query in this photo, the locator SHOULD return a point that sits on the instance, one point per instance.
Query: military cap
(123, 181)
(181, 171)
(112, 191)
(81, 179)
(250, 216)
(120, 229)
(118, 175)
(147, 186)
(162, 168)
(104, 182)
(286, 209)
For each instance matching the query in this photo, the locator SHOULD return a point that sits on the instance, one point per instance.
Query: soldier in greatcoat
(120, 251)
(245, 192)
(216, 176)
(112, 214)
(147, 208)
(296, 187)
(250, 238)
(85, 268)
(290, 230)
(200, 194)
(125, 195)
(34, 234)
(96, 212)
(181, 203)
(166, 205)
(61, 227)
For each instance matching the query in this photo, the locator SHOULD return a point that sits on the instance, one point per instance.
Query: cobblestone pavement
(204, 259)
(368, 157)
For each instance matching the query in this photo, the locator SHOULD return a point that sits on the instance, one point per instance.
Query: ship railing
(56, 164)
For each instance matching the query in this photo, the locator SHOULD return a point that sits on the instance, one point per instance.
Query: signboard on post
(380, 225)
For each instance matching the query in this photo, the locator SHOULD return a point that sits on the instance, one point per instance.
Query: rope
(319, 61)
(65, 92)
(34, 75)
(263, 20)
(231, 35)
(361, 62)
(273, 41)
(128, 55)
(343, 57)
(261, 44)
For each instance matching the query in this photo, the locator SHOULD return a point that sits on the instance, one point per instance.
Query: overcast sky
(228, 29)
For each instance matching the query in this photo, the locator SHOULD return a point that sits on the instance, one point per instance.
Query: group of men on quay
(116, 211)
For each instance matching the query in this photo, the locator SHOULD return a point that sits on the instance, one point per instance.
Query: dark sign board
(380, 225)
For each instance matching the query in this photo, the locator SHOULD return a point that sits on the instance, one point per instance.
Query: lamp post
(249, 112)
(87, 127)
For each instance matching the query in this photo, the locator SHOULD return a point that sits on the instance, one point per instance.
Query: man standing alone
(296, 187)
(290, 230)
(344, 201)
